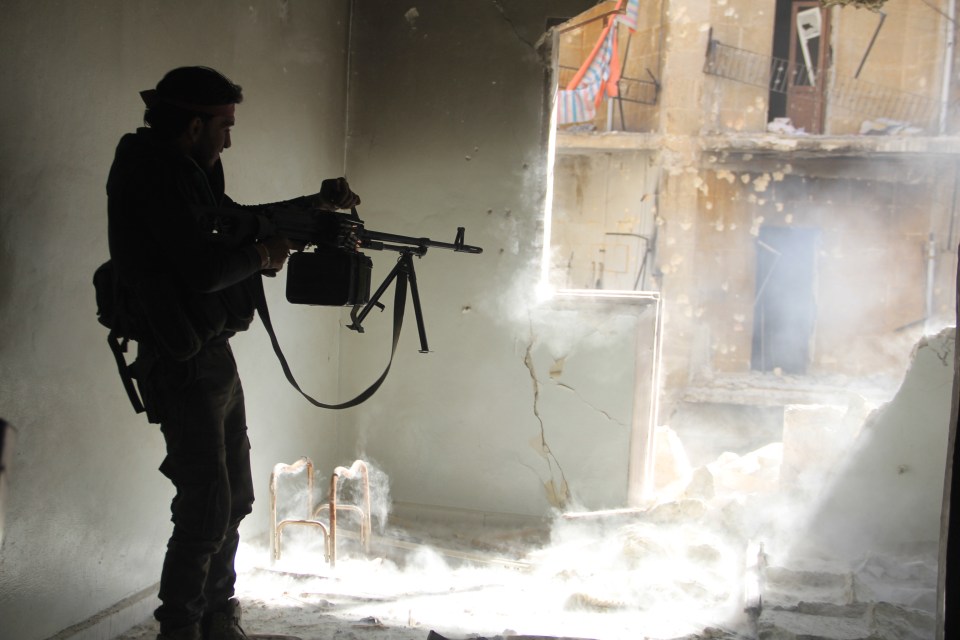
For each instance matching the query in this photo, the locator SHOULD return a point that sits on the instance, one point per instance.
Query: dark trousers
(199, 404)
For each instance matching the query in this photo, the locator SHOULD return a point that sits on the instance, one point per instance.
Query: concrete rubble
(846, 509)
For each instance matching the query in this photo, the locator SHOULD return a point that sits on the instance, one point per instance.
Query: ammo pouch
(175, 323)
(117, 311)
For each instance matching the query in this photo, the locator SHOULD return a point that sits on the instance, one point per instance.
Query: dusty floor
(633, 577)
(499, 584)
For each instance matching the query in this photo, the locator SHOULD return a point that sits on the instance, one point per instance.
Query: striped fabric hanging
(599, 72)
(631, 15)
(578, 102)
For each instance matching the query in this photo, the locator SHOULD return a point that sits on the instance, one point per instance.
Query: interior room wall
(87, 511)
(446, 129)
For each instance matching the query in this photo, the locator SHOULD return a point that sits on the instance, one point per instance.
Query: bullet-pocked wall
(857, 233)
(87, 512)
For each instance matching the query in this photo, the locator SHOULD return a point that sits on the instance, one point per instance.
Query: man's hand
(274, 252)
(336, 193)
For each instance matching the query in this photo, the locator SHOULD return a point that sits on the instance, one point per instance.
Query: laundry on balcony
(600, 72)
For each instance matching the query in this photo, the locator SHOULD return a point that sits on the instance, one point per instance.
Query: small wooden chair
(328, 528)
(279, 470)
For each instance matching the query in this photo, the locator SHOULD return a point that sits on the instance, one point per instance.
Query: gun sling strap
(400, 296)
(118, 346)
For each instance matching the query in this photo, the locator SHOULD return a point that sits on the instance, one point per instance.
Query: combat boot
(191, 632)
(224, 624)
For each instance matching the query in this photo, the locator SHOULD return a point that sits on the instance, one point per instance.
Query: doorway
(785, 303)
(800, 49)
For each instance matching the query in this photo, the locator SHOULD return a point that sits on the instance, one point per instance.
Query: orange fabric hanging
(615, 70)
(598, 75)
(586, 63)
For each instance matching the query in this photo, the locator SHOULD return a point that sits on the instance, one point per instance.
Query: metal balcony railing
(861, 98)
(632, 90)
(873, 100)
(636, 90)
(748, 67)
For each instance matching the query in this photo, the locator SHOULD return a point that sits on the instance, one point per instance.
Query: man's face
(213, 138)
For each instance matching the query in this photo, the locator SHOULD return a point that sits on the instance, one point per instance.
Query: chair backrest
(280, 470)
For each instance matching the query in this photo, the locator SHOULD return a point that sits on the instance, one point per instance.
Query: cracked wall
(556, 487)
(584, 377)
(489, 420)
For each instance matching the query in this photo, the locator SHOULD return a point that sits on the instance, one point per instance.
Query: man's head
(194, 106)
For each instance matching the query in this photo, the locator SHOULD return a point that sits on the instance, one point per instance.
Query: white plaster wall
(445, 130)
(87, 518)
(887, 496)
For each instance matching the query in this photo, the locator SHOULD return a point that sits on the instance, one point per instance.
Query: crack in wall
(558, 496)
(945, 351)
(513, 27)
(592, 406)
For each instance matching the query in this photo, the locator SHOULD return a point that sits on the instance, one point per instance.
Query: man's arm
(201, 262)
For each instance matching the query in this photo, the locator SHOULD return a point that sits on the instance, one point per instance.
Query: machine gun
(332, 270)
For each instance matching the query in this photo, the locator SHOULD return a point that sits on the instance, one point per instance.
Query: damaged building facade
(785, 175)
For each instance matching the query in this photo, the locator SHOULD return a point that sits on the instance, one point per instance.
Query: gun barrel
(422, 243)
(317, 226)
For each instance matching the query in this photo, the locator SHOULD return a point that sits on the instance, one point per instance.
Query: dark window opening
(799, 53)
(785, 305)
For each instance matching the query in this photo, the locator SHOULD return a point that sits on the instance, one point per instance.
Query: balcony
(845, 105)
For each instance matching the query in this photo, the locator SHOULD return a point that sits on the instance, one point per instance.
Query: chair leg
(358, 466)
